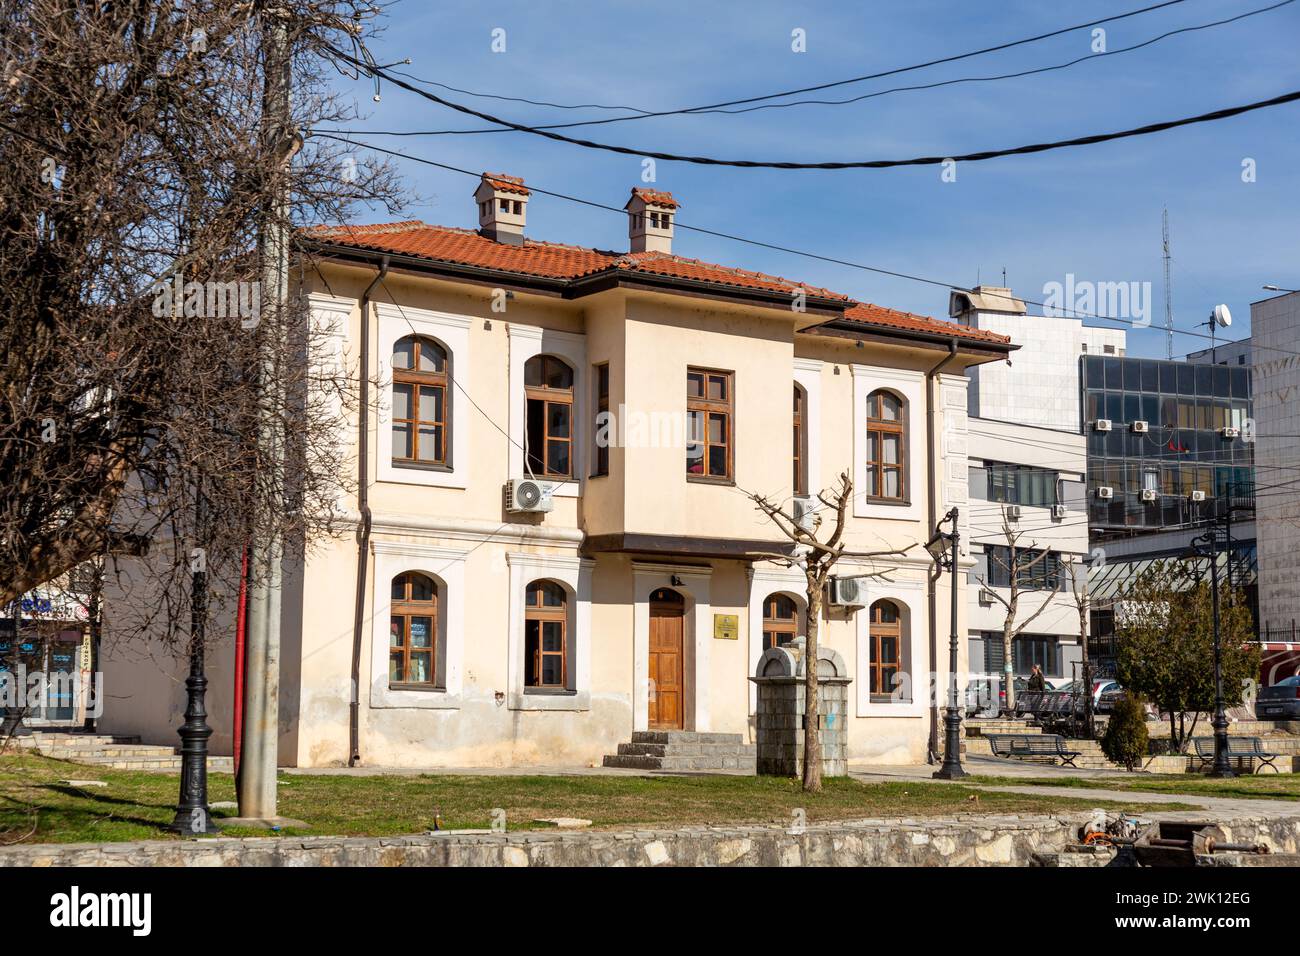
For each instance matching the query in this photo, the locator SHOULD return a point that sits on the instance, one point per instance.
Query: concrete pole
(261, 731)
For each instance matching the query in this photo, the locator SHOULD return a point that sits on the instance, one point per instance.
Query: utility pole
(1169, 292)
(257, 777)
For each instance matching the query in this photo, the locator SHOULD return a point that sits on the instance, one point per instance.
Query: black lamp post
(1222, 766)
(943, 547)
(192, 813)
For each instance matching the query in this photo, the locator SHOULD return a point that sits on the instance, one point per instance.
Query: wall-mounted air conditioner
(1101, 425)
(1198, 496)
(1228, 433)
(1105, 492)
(1139, 427)
(1059, 511)
(1013, 512)
(847, 592)
(803, 508)
(986, 596)
(528, 495)
(1150, 494)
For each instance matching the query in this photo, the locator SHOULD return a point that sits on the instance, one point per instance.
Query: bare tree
(816, 558)
(140, 168)
(1077, 573)
(1021, 564)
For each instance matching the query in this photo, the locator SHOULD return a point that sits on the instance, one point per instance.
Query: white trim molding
(910, 386)
(574, 574)
(527, 341)
(763, 582)
(453, 332)
(808, 375)
(910, 598)
(697, 639)
(447, 568)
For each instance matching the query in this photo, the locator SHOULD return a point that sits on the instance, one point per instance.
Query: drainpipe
(363, 525)
(932, 755)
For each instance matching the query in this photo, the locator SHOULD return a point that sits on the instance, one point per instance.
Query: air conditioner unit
(527, 495)
(1229, 433)
(848, 592)
(1105, 492)
(1013, 512)
(1139, 427)
(986, 596)
(803, 508)
(1198, 496)
(1149, 494)
(1101, 425)
(1059, 511)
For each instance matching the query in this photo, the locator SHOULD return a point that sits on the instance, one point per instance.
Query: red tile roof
(869, 314)
(655, 197)
(506, 184)
(550, 260)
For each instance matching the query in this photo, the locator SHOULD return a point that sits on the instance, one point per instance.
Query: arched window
(886, 435)
(419, 403)
(548, 389)
(546, 635)
(800, 457)
(886, 647)
(780, 620)
(413, 634)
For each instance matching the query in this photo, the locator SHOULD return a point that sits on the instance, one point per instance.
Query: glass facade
(1186, 407)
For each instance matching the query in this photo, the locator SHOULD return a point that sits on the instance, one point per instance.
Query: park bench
(1032, 745)
(1239, 748)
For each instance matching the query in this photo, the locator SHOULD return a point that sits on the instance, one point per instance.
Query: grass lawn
(1264, 786)
(36, 807)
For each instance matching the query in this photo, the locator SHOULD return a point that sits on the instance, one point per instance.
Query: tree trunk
(812, 740)
(1008, 667)
(1173, 731)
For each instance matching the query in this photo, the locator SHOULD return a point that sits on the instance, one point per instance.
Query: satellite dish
(1221, 316)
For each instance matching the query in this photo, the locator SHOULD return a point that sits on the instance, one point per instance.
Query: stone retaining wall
(954, 841)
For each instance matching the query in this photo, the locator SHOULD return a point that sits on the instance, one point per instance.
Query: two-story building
(556, 544)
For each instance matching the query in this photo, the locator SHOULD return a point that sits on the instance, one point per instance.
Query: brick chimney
(502, 205)
(650, 215)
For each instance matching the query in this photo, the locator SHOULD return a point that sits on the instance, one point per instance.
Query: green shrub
(1125, 740)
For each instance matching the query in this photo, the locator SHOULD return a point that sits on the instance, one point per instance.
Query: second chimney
(502, 208)
(650, 215)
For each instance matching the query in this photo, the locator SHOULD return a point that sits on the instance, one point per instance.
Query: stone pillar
(780, 712)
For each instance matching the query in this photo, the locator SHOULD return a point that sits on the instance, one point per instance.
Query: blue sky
(1091, 211)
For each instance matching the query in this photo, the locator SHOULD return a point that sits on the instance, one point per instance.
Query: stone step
(172, 763)
(698, 763)
(686, 750)
(118, 752)
(683, 737)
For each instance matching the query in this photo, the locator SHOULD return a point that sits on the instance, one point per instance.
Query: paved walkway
(993, 767)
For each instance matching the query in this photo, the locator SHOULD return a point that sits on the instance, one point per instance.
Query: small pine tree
(1125, 740)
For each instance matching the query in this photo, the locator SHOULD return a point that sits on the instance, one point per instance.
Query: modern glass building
(1160, 431)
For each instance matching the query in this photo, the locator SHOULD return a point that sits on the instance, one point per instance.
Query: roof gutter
(365, 523)
(933, 518)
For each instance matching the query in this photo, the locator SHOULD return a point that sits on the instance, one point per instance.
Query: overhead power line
(896, 71)
(850, 164)
(877, 270)
(703, 111)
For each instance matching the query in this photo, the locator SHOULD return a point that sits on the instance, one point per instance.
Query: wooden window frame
(875, 425)
(417, 378)
(600, 453)
(705, 407)
(550, 396)
(407, 608)
(880, 676)
(800, 447)
(542, 614)
(775, 626)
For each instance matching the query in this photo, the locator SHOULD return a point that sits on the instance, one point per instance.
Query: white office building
(1028, 464)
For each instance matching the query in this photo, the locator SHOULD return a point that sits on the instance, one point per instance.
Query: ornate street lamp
(1222, 765)
(943, 547)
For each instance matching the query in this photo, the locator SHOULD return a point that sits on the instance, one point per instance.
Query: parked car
(1100, 687)
(1279, 702)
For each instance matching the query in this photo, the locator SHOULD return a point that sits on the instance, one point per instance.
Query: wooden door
(667, 620)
